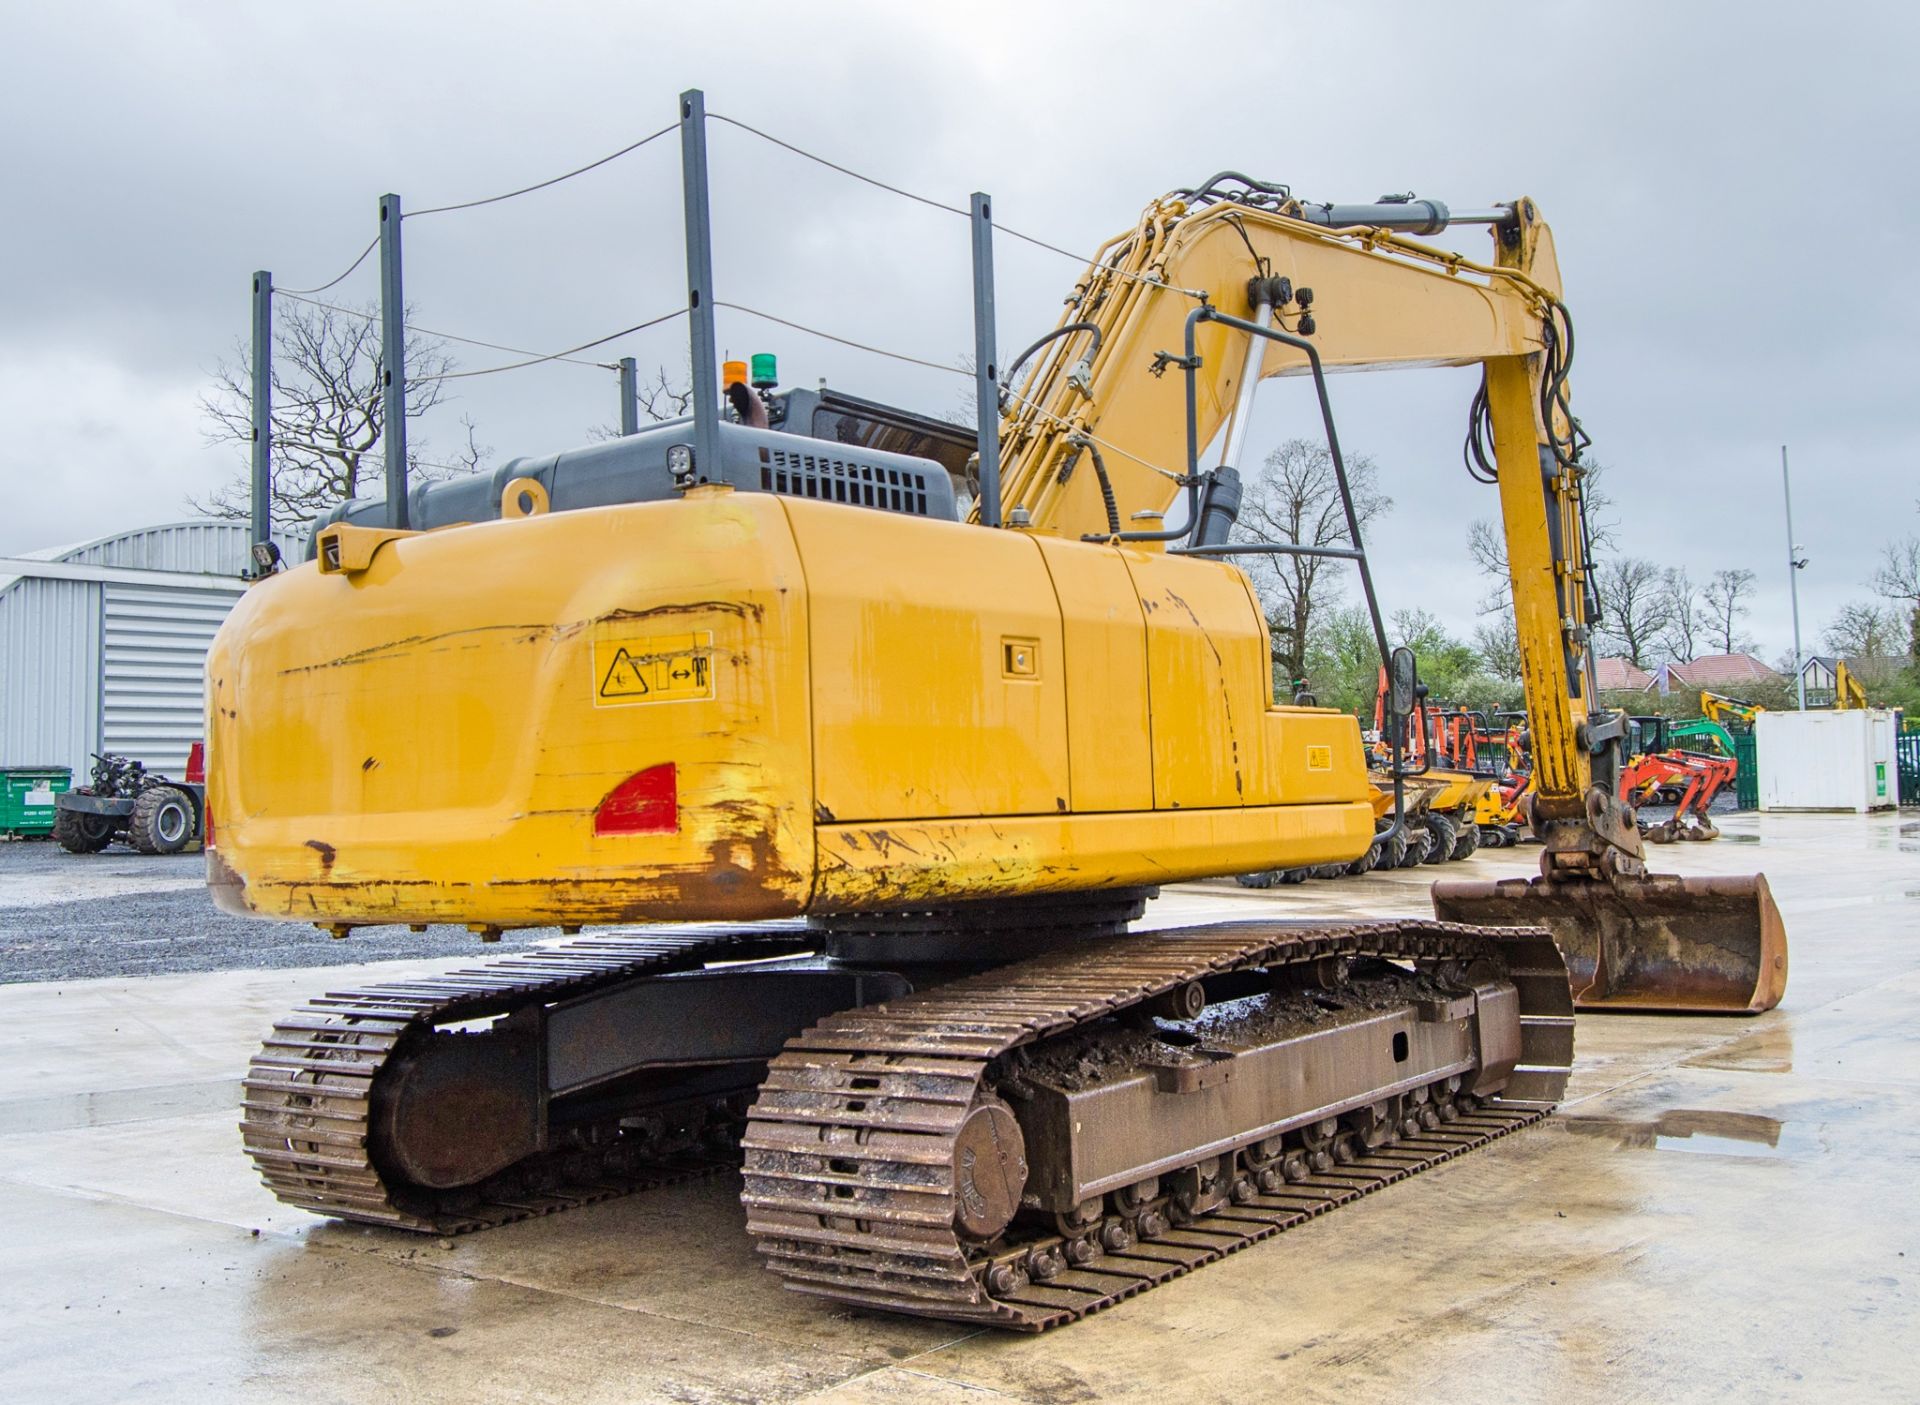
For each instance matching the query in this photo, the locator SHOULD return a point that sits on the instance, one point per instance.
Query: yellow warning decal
(655, 668)
(1319, 758)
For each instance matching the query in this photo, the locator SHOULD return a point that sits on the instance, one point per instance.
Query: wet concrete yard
(1724, 1209)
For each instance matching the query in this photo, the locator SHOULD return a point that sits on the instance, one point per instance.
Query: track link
(311, 1093)
(849, 1178)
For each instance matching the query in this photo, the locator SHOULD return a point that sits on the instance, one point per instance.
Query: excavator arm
(1347, 288)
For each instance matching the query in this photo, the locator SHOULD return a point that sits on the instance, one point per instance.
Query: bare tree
(1864, 632)
(1487, 546)
(1722, 607)
(1634, 607)
(1487, 542)
(662, 398)
(1295, 499)
(1497, 640)
(1898, 578)
(326, 412)
(1684, 621)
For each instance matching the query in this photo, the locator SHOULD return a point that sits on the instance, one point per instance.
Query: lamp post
(1796, 563)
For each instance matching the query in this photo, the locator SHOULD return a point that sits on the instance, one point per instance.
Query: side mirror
(1403, 683)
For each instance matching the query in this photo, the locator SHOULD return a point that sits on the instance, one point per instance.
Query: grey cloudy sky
(1730, 185)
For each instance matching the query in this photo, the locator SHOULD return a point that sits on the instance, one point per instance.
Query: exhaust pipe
(1659, 944)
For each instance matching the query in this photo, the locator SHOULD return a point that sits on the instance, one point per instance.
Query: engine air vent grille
(846, 480)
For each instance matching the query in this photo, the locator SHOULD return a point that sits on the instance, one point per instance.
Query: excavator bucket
(1662, 943)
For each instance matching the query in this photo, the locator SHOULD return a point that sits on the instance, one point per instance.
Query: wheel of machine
(1265, 878)
(1329, 870)
(80, 833)
(1418, 841)
(1294, 875)
(1442, 835)
(162, 821)
(1367, 862)
(1468, 844)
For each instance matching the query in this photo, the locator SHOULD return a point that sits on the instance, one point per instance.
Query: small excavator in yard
(1661, 771)
(650, 682)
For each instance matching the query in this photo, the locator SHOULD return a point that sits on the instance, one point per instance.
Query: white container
(1827, 760)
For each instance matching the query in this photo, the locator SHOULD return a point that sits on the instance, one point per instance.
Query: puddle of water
(1700, 1130)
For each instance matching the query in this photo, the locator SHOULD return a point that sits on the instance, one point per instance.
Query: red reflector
(646, 802)
(197, 764)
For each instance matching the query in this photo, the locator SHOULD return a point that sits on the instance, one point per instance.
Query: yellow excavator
(900, 776)
(1717, 707)
(1848, 691)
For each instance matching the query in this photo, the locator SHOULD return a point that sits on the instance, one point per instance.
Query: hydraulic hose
(1081, 441)
(1006, 377)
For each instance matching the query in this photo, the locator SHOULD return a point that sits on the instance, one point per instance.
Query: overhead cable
(844, 341)
(1080, 259)
(464, 341)
(563, 355)
(541, 185)
(836, 166)
(295, 292)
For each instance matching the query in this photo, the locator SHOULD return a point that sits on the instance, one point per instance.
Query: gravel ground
(70, 916)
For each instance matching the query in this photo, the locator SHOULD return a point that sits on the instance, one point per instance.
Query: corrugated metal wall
(49, 673)
(154, 655)
(87, 666)
(199, 548)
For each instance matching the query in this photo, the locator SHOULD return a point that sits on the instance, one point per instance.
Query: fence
(1907, 748)
(1746, 783)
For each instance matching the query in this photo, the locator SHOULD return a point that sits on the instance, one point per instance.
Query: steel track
(849, 1179)
(311, 1091)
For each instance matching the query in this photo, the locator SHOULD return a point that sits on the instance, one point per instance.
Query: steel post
(393, 363)
(986, 388)
(629, 396)
(699, 222)
(1794, 563)
(262, 407)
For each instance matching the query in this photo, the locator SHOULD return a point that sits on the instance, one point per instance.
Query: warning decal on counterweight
(658, 668)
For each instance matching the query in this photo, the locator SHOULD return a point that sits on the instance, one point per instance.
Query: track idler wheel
(989, 1170)
(457, 1108)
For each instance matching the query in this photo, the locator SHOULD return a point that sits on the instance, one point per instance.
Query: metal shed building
(103, 645)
